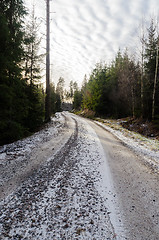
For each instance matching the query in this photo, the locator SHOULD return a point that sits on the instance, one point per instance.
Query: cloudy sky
(84, 32)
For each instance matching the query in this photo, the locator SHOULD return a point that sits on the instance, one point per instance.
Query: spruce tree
(32, 57)
(150, 67)
(12, 95)
(32, 74)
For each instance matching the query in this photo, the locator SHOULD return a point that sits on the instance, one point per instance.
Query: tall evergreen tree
(53, 98)
(60, 87)
(21, 100)
(150, 67)
(32, 74)
(32, 57)
(71, 89)
(12, 94)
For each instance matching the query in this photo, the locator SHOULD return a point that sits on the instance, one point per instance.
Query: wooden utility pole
(47, 98)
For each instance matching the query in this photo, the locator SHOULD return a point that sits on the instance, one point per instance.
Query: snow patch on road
(75, 200)
(20, 147)
(105, 185)
(15, 157)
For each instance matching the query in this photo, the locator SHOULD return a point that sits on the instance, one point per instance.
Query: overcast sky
(84, 32)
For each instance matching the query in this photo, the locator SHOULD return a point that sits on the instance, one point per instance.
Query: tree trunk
(133, 102)
(154, 88)
(142, 88)
(142, 69)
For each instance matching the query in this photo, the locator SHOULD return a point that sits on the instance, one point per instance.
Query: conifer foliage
(126, 87)
(21, 101)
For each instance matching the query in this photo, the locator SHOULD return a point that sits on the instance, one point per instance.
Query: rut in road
(23, 158)
(92, 188)
(32, 189)
(61, 199)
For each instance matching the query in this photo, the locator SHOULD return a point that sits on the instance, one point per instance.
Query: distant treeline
(22, 97)
(126, 87)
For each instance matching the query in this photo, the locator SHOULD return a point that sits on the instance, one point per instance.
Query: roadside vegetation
(126, 88)
(22, 96)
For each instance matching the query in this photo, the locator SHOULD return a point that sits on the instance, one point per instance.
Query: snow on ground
(147, 147)
(18, 153)
(71, 196)
(68, 198)
(26, 145)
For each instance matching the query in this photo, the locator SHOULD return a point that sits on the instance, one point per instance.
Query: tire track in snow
(18, 169)
(62, 199)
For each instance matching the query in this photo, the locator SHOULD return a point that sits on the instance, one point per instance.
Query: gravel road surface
(75, 180)
(136, 186)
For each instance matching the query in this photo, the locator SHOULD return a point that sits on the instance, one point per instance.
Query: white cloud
(87, 31)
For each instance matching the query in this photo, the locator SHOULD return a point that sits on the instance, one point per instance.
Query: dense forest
(22, 98)
(126, 87)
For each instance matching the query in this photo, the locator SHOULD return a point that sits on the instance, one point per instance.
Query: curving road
(81, 183)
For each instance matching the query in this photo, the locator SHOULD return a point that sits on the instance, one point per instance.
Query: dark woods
(21, 94)
(126, 87)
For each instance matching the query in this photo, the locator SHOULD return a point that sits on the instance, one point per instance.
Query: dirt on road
(75, 180)
(136, 185)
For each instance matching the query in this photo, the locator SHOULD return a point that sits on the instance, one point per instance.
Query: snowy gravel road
(136, 184)
(74, 180)
(20, 159)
